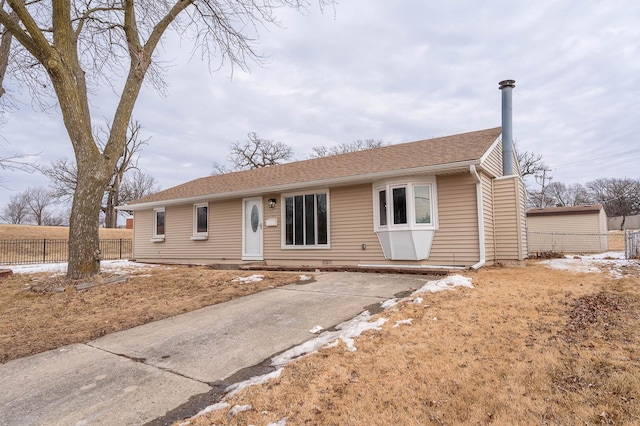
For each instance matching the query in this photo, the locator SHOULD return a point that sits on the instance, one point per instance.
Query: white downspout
(481, 242)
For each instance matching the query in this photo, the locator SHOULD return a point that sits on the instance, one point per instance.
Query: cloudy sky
(393, 70)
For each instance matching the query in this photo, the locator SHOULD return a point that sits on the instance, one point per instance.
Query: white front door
(252, 229)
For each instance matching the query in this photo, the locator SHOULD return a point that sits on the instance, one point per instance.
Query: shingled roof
(457, 150)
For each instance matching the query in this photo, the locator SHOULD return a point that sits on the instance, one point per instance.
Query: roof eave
(461, 166)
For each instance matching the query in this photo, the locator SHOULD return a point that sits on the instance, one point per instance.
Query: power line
(599, 158)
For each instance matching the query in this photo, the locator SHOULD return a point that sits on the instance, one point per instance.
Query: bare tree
(136, 185)
(17, 211)
(530, 163)
(619, 197)
(128, 161)
(255, 153)
(39, 200)
(63, 176)
(67, 48)
(343, 148)
(63, 173)
(561, 195)
(5, 47)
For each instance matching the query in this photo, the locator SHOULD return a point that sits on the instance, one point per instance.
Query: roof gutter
(481, 241)
(370, 177)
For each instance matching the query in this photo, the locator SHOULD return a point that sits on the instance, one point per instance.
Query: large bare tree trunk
(84, 240)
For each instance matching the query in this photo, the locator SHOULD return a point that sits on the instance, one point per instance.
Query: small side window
(158, 224)
(200, 220)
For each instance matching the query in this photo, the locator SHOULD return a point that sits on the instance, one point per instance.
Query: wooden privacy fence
(15, 252)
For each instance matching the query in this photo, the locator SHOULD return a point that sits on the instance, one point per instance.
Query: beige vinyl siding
(522, 230)
(510, 219)
(456, 240)
(489, 220)
(567, 233)
(350, 226)
(224, 241)
(493, 163)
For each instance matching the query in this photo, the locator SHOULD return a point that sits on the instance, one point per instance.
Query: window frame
(410, 186)
(304, 215)
(200, 235)
(156, 236)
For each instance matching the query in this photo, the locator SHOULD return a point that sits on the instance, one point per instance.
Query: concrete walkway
(137, 376)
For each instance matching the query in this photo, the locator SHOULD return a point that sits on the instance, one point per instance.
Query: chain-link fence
(15, 252)
(632, 244)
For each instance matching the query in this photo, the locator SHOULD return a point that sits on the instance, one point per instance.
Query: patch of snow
(213, 407)
(305, 277)
(418, 300)
(315, 329)
(257, 380)
(345, 332)
(388, 303)
(281, 422)
(407, 321)
(115, 266)
(250, 279)
(448, 283)
(613, 261)
(238, 409)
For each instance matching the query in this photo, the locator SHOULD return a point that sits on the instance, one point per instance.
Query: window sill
(199, 237)
(157, 239)
(301, 247)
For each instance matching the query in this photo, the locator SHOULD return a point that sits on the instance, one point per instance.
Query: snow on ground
(448, 283)
(345, 332)
(114, 266)
(250, 279)
(613, 261)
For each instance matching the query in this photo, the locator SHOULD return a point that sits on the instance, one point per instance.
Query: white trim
(490, 150)
(409, 182)
(403, 266)
(252, 256)
(157, 238)
(283, 220)
(480, 207)
(461, 166)
(199, 236)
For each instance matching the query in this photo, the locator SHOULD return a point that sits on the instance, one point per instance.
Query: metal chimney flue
(506, 86)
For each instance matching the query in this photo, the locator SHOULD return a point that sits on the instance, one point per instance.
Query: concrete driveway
(172, 368)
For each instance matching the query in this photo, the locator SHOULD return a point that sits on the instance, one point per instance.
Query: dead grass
(526, 346)
(38, 312)
(28, 232)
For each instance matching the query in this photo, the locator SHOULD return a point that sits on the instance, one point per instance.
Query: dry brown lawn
(27, 232)
(526, 346)
(39, 312)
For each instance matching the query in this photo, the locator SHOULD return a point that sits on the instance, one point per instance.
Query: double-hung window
(306, 219)
(158, 224)
(200, 221)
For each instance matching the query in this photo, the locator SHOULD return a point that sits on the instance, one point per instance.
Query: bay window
(405, 213)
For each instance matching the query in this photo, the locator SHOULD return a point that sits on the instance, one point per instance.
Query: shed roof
(554, 211)
(430, 155)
